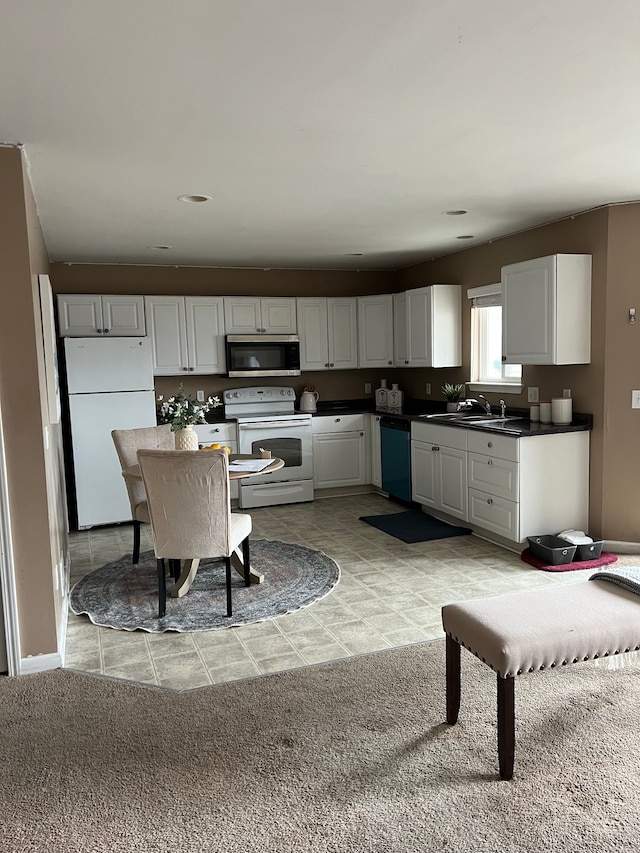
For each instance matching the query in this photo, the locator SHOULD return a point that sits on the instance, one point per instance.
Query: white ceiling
(329, 133)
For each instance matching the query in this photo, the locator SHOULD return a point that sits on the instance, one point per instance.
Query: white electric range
(267, 421)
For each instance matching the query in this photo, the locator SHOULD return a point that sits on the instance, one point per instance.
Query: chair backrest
(189, 502)
(128, 442)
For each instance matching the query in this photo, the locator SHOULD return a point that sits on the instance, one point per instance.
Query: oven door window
(287, 449)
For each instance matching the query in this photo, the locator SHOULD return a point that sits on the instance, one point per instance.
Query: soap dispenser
(382, 394)
(394, 399)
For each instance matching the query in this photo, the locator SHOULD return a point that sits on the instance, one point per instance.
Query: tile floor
(389, 595)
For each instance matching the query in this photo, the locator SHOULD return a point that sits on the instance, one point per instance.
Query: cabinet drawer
(502, 446)
(438, 434)
(498, 477)
(337, 423)
(216, 433)
(494, 514)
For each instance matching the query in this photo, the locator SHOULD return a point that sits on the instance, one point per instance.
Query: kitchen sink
(466, 417)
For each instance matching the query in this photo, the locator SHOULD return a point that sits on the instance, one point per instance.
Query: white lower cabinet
(376, 451)
(439, 468)
(527, 486)
(220, 433)
(339, 451)
(502, 485)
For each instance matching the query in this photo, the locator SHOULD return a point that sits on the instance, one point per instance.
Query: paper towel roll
(561, 410)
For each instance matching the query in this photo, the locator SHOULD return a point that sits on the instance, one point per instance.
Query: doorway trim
(7, 570)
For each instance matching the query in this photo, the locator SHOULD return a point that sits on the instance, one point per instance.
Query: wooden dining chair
(190, 511)
(128, 442)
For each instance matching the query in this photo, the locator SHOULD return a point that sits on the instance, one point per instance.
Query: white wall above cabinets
(187, 334)
(546, 306)
(248, 315)
(328, 333)
(83, 315)
(375, 330)
(428, 327)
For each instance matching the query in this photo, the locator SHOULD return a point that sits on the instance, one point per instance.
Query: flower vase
(186, 439)
(452, 407)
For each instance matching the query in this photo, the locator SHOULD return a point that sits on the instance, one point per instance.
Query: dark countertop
(415, 410)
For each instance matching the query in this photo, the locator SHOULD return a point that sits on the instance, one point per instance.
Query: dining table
(190, 566)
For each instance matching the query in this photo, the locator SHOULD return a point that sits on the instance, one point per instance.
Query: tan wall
(589, 234)
(621, 424)
(22, 405)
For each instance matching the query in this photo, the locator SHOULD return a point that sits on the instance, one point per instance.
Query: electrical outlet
(427, 388)
(566, 392)
(533, 395)
(367, 387)
(635, 399)
(200, 396)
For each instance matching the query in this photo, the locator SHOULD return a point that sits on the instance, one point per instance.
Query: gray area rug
(121, 595)
(348, 756)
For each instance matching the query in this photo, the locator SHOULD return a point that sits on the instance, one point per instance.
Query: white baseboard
(40, 663)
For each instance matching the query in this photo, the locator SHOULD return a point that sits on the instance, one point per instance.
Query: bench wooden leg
(506, 726)
(453, 680)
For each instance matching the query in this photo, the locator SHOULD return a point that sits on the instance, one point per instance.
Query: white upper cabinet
(400, 350)
(328, 333)
(546, 311)
(187, 334)
(248, 315)
(83, 315)
(375, 330)
(428, 327)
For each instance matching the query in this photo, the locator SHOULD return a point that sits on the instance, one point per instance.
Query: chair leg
(246, 561)
(162, 589)
(453, 679)
(136, 542)
(506, 726)
(227, 565)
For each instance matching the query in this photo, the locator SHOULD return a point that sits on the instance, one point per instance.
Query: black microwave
(263, 355)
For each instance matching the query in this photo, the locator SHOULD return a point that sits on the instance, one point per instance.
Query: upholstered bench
(534, 630)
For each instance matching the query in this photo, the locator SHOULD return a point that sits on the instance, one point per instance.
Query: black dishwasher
(395, 454)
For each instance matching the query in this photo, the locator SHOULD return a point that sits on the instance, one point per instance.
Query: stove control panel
(258, 395)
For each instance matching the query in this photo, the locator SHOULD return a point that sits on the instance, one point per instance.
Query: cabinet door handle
(331, 365)
(490, 462)
(406, 361)
(100, 331)
(435, 448)
(361, 433)
(326, 364)
(337, 420)
(489, 500)
(185, 368)
(389, 362)
(106, 331)
(504, 358)
(489, 444)
(192, 368)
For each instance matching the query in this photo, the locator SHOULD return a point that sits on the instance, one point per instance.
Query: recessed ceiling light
(159, 247)
(454, 212)
(192, 199)
(465, 237)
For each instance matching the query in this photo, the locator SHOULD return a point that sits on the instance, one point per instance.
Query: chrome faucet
(503, 408)
(470, 402)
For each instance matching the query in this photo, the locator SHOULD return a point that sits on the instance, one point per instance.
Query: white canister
(545, 412)
(534, 413)
(561, 410)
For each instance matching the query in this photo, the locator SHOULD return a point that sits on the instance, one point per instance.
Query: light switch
(635, 399)
(200, 396)
(533, 395)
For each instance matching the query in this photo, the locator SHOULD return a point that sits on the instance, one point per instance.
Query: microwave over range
(263, 355)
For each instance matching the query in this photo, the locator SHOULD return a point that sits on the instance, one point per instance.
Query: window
(488, 373)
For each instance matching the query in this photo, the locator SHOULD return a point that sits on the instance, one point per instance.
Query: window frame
(503, 386)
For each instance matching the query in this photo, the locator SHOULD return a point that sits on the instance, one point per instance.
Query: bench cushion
(534, 629)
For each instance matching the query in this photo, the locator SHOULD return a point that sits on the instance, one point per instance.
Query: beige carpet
(349, 756)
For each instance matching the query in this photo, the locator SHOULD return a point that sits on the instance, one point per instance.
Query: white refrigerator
(110, 386)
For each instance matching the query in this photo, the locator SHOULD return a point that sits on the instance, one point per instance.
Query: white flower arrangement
(181, 410)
